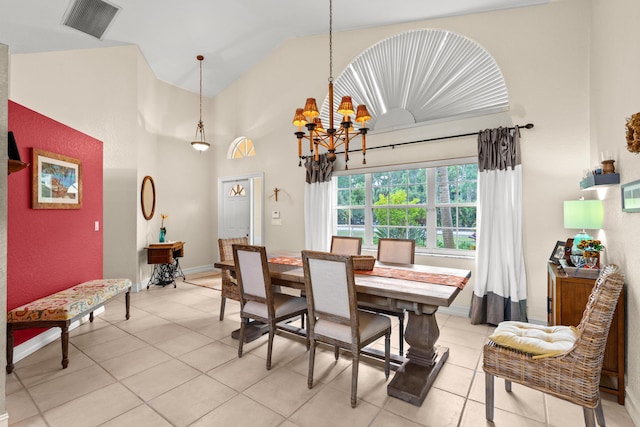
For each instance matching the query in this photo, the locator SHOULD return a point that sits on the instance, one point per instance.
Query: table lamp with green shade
(583, 215)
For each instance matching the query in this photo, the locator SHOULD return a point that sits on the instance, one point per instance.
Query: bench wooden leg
(127, 302)
(64, 337)
(91, 317)
(9, 349)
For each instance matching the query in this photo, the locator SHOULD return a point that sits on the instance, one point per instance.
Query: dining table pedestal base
(415, 377)
(412, 381)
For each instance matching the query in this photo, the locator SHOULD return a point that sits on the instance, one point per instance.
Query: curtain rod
(527, 126)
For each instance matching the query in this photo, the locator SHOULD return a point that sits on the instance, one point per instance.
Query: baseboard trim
(632, 406)
(50, 335)
(463, 311)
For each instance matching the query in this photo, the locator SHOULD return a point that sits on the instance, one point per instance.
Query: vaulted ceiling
(233, 35)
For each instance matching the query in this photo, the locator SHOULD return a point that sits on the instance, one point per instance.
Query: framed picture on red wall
(56, 181)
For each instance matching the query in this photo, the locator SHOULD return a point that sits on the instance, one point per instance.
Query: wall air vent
(92, 17)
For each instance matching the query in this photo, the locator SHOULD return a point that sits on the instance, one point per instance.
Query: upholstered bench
(63, 308)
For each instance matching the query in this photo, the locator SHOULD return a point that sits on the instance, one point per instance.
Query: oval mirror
(148, 197)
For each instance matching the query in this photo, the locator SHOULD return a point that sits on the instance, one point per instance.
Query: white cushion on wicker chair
(541, 341)
(283, 305)
(370, 325)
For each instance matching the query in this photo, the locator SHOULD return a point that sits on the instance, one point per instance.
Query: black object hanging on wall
(13, 152)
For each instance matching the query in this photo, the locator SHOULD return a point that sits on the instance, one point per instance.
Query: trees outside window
(435, 206)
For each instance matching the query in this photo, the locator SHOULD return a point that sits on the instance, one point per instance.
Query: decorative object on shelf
(633, 133)
(607, 163)
(331, 138)
(608, 167)
(199, 143)
(558, 252)
(163, 230)
(631, 196)
(56, 181)
(582, 215)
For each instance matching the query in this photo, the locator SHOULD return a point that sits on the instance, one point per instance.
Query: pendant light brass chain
(330, 40)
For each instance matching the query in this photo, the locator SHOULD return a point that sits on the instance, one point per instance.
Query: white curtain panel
(317, 216)
(318, 199)
(500, 291)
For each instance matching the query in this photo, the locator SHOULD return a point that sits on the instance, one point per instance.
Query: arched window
(241, 147)
(422, 76)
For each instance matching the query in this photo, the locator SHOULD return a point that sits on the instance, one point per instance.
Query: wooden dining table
(415, 288)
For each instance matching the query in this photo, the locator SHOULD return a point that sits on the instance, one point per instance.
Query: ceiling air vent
(92, 17)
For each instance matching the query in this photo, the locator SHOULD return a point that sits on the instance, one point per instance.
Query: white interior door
(236, 208)
(240, 201)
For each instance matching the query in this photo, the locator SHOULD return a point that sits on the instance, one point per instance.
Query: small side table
(166, 264)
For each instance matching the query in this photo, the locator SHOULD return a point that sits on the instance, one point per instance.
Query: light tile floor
(175, 364)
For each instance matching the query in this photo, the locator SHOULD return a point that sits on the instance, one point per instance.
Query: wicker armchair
(573, 375)
(229, 284)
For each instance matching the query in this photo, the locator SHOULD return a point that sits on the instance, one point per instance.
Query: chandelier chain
(331, 40)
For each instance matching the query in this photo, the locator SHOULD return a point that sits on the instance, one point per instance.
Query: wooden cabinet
(567, 299)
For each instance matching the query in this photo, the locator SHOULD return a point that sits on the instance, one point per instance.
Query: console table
(166, 267)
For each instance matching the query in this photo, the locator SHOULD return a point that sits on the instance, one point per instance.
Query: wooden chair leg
(272, 329)
(401, 333)
(488, 391)
(243, 323)
(336, 352)
(312, 358)
(387, 354)
(600, 414)
(589, 419)
(223, 301)
(307, 335)
(354, 379)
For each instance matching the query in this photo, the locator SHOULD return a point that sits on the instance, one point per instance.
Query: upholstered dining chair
(562, 361)
(399, 251)
(229, 284)
(333, 315)
(257, 297)
(345, 245)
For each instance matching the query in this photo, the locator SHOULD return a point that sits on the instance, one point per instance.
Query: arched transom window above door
(422, 76)
(241, 147)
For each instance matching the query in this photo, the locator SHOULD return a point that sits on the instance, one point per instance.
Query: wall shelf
(15, 166)
(593, 182)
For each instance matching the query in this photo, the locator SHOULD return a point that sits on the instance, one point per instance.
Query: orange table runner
(394, 273)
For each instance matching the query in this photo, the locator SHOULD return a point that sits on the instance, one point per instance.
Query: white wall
(546, 72)
(615, 95)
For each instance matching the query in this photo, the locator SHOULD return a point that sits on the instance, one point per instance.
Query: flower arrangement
(163, 231)
(590, 248)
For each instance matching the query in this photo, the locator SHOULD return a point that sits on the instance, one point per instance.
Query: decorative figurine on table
(163, 230)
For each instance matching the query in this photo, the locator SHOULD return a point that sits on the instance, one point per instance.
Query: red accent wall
(51, 249)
